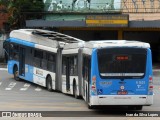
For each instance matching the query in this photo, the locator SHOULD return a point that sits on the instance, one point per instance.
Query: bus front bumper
(121, 100)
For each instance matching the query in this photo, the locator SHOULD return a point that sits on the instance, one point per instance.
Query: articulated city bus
(102, 72)
(108, 73)
(35, 55)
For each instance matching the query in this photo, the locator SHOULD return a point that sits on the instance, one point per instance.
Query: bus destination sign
(107, 20)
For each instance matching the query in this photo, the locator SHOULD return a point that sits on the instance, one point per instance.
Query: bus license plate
(122, 93)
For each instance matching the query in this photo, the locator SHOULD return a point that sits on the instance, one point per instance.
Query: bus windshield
(122, 63)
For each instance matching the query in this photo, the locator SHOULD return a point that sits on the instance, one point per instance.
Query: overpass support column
(120, 35)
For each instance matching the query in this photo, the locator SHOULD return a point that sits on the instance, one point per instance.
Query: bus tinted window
(64, 67)
(51, 66)
(70, 63)
(73, 65)
(14, 51)
(122, 62)
(86, 67)
(51, 57)
(38, 55)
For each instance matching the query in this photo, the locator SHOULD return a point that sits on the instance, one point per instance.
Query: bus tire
(75, 90)
(90, 107)
(131, 107)
(16, 73)
(139, 107)
(49, 83)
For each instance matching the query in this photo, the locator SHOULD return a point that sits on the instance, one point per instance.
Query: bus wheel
(90, 107)
(139, 107)
(49, 84)
(16, 73)
(75, 91)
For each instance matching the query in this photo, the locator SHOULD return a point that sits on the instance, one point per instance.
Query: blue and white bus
(102, 72)
(109, 73)
(35, 55)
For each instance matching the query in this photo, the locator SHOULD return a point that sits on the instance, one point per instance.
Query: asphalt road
(22, 96)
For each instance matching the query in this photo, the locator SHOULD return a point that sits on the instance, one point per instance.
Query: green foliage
(17, 8)
(28, 5)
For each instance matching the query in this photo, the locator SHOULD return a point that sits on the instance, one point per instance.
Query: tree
(16, 10)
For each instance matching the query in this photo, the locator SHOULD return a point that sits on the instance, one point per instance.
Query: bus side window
(64, 65)
(31, 53)
(28, 57)
(73, 65)
(51, 66)
(44, 61)
(38, 55)
(86, 68)
(14, 51)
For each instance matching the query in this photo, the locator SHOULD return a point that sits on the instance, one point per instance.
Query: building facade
(3, 34)
(104, 19)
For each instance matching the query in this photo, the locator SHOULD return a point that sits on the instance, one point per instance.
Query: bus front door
(22, 62)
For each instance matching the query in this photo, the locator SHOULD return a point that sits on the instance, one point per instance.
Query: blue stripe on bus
(28, 70)
(149, 62)
(28, 73)
(22, 42)
(11, 64)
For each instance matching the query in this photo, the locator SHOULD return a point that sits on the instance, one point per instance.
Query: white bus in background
(108, 73)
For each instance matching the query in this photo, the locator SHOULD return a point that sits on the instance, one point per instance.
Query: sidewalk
(3, 65)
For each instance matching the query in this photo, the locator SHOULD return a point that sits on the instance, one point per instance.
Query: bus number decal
(106, 83)
(140, 85)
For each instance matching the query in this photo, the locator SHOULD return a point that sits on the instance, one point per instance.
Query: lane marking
(0, 83)
(5, 69)
(38, 89)
(25, 87)
(11, 86)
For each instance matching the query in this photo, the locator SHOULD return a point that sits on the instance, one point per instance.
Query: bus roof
(108, 43)
(120, 43)
(43, 37)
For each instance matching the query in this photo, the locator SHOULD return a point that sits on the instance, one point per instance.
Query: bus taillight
(93, 87)
(150, 78)
(150, 88)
